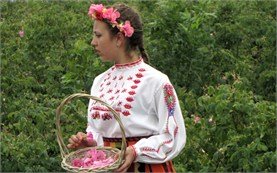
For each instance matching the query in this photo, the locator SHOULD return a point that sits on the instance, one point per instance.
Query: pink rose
(21, 33)
(88, 162)
(96, 11)
(77, 162)
(111, 15)
(89, 137)
(127, 29)
(92, 154)
(93, 159)
(101, 155)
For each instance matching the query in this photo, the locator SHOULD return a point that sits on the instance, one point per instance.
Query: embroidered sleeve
(96, 136)
(90, 126)
(169, 98)
(172, 135)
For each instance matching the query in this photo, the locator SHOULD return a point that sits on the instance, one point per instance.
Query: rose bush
(218, 54)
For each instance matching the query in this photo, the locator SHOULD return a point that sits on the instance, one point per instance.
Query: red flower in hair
(95, 11)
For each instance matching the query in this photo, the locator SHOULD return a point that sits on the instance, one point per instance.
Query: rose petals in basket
(103, 163)
(93, 159)
(77, 162)
(96, 154)
(74, 161)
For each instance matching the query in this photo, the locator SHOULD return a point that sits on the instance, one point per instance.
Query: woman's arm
(172, 135)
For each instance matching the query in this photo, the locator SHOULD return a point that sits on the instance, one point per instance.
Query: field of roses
(219, 55)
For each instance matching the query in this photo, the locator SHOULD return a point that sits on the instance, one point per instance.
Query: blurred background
(220, 56)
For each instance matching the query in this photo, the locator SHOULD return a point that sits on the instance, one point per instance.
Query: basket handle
(63, 149)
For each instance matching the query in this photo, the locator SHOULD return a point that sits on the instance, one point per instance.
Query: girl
(143, 96)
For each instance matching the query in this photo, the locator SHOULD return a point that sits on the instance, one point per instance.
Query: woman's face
(103, 43)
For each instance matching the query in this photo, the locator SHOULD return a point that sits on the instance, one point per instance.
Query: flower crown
(99, 12)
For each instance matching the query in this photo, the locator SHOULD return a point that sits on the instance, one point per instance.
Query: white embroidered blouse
(148, 106)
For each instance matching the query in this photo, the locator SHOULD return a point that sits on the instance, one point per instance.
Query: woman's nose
(93, 42)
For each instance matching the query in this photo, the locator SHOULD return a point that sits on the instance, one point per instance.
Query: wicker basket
(67, 156)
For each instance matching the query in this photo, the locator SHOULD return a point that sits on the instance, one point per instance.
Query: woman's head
(107, 37)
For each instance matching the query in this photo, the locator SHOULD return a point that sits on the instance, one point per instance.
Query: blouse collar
(130, 64)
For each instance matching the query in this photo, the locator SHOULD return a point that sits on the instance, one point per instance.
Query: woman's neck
(127, 58)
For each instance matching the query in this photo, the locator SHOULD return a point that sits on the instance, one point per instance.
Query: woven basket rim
(65, 152)
(109, 167)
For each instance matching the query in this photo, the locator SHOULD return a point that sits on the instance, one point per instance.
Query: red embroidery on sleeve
(170, 98)
(106, 116)
(136, 81)
(134, 86)
(127, 106)
(95, 115)
(126, 113)
(132, 92)
(139, 75)
(129, 99)
(141, 69)
(159, 147)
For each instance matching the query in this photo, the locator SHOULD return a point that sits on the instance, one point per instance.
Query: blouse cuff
(138, 153)
(134, 152)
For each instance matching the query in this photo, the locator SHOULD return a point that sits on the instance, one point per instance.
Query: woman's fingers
(79, 140)
(75, 139)
(116, 156)
(72, 146)
(81, 136)
(129, 158)
(124, 167)
(71, 141)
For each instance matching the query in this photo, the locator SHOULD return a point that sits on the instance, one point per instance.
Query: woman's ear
(120, 39)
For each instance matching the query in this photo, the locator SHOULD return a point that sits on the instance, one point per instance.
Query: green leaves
(220, 56)
(235, 131)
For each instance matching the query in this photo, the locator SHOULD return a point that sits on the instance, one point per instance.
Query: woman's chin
(104, 59)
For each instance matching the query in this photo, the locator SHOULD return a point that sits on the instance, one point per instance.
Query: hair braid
(143, 52)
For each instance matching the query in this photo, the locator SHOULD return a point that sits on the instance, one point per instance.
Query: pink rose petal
(93, 159)
(89, 137)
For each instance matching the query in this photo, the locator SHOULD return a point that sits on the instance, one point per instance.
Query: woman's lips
(97, 51)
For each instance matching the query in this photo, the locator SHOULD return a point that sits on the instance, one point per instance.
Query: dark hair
(136, 40)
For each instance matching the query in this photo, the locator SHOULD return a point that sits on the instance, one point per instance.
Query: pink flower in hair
(96, 11)
(111, 15)
(127, 29)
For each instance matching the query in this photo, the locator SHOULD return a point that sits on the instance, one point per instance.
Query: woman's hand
(80, 141)
(129, 158)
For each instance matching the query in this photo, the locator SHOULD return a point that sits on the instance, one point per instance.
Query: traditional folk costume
(149, 110)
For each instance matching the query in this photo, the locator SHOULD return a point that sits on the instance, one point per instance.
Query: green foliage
(218, 54)
(235, 132)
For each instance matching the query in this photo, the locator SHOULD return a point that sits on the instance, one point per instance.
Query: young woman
(143, 96)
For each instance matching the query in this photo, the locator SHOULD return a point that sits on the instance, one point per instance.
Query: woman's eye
(98, 35)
